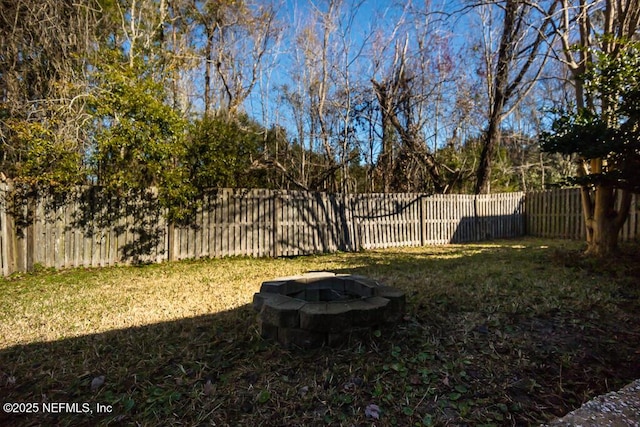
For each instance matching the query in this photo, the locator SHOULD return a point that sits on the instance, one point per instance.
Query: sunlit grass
(53, 305)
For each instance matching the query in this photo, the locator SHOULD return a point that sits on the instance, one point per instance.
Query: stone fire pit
(316, 309)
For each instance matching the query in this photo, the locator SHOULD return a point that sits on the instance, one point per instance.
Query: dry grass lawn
(501, 333)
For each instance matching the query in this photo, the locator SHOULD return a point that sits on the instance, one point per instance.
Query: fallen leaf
(372, 411)
(208, 388)
(97, 382)
(415, 380)
(263, 396)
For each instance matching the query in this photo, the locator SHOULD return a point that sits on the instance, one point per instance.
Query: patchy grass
(503, 333)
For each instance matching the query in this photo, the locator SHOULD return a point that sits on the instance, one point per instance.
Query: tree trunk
(483, 183)
(604, 226)
(385, 158)
(207, 72)
(505, 59)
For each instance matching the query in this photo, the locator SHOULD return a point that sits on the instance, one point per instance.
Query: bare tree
(238, 35)
(398, 109)
(324, 89)
(523, 50)
(413, 76)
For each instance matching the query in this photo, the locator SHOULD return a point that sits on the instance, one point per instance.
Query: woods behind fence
(89, 228)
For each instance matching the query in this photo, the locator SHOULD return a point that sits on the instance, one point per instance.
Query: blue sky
(371, 15)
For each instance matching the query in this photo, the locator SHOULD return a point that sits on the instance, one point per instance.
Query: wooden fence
(89, 229)
(558, 214)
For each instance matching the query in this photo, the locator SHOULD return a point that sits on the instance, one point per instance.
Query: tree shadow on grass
(503, 350)
(522, 344)
(159, 374)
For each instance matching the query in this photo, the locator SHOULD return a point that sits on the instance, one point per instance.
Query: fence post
(10, 234)
(171, 241)
(423, 220)
(4, 229)
(347, 228)
(525, 213)
(277, 207)
(20, 226)
(356, 241)
(476, 219)
(30, 231)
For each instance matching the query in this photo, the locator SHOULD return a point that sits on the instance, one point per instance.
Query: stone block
(330, 294)
(293, 287)
(360, 288)
(273, 286)
(364, 280)
(370, 312)
(315, 276)
(338, 286)
(267, 331)
(298, 295)
(312, 295)
(397, 302)
(259, 299)
(286, 279)
(282, 311)
(319, 283)
(282, 286)
(326, 317)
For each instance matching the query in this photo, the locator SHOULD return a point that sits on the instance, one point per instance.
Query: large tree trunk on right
(603, 221)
